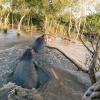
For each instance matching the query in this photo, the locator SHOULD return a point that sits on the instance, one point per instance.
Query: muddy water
(11, 48)
(65, 84)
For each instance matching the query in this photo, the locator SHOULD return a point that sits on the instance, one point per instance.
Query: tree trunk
(45, 24)
(15, 19)
(6, 20)
(69, 28)
(19, 25)
(84, 25)
(31, 23)
(57, 27)
(93, 63)
(1, 22)
(77, 26)
(12, 21)
(28, 22)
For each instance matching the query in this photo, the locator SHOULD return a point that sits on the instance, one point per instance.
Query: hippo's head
(28, 55)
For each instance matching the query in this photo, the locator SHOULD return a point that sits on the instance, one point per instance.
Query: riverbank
(76, 52)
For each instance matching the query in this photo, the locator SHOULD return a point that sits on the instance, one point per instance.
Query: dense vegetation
(58, 17)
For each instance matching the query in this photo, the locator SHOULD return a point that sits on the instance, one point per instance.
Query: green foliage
(65, 18)
(18, 31)
(56, 28)
(54, 10)
(36, 20)
(10, 17)
(20, 6)
(2, 2)
(93, 23)
(33, 27)
(93, 27)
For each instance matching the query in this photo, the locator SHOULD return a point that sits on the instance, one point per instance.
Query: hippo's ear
(32, 52)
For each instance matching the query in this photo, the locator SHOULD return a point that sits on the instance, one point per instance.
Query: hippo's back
(24, 75)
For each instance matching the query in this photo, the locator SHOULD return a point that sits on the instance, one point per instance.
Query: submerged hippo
(25, 73)
(39, 44)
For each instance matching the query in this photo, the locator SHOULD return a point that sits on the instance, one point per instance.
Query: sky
(88, 7)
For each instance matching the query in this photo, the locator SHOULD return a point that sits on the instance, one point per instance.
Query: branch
(85, 45)
(98, 44)
(72, 60)
(92, 45)
(99, 59)
(93, 63)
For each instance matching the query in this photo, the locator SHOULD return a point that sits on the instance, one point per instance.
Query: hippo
(39, 44)
(25, 73)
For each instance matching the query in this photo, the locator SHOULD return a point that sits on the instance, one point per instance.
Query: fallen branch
(85, 45)
(79, 66)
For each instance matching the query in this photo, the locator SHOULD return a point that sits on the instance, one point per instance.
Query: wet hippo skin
(39, 44)
(25, 73)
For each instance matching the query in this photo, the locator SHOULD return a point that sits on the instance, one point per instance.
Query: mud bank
(66, 83)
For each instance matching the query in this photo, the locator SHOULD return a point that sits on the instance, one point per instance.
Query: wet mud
(59, 79)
